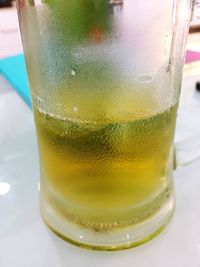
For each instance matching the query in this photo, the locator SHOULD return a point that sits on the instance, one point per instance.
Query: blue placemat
(14, 70)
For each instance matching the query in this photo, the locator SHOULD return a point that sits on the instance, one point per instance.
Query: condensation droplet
(75, 109)
(73, 73)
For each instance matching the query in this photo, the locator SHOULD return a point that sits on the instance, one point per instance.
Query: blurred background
(10, 40)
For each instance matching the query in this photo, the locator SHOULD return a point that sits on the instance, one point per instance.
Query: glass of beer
(105, 78)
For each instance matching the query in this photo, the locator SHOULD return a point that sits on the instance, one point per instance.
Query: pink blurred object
(192, 56)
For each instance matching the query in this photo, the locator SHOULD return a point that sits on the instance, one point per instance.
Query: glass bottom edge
(158, 228)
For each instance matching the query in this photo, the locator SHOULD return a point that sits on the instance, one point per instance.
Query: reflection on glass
(4, 188)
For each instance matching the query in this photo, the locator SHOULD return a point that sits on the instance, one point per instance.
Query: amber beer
(105, 173)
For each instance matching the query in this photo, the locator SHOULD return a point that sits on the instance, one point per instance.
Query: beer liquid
(104, 175)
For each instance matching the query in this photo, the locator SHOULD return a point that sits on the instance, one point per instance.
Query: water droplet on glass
(73, 73)
(75, 109)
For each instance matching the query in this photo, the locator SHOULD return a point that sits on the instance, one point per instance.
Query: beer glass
(105, 78)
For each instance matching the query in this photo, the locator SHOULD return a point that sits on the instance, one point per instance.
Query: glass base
(122, 238)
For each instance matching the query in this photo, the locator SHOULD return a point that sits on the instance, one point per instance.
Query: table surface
(24, 239)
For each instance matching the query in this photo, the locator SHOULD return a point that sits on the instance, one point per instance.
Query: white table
(26, 242)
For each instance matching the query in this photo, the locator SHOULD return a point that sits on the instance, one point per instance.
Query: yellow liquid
(106, 174)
